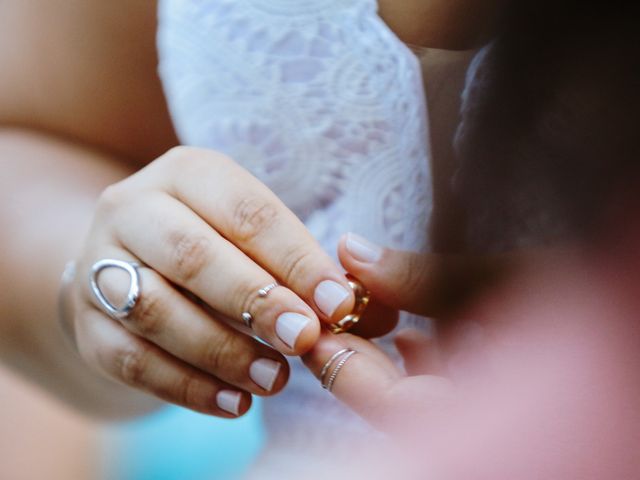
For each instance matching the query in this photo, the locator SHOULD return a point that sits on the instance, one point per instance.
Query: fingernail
(362, 249)
(329, 295)
(264, 372)
(229, 401)
(289, 325)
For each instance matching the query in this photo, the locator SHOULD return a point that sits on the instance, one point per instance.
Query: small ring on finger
(328, 363)
(328, 385)
(263, 292)
(247, 318)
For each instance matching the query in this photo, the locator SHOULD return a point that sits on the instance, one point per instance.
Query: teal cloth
(176, 444)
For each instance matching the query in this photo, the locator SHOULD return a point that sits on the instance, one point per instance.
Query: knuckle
(177, 154)
(149, 314)
(296, 264)
(188, 391)
(410, 274)
(251, 217)
(130, 364)
(175, 159)
(217, 353)
(190, 256)
(112, 198)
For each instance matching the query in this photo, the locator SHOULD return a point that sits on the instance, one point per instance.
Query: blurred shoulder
(85, 69)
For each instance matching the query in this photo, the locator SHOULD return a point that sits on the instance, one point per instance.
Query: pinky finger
(133, 361)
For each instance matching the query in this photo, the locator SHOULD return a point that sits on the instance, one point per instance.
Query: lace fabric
(322, 103)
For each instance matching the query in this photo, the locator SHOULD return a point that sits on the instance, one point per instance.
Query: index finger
(252, 217)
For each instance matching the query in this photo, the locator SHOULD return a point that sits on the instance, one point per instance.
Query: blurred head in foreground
(549, 130)
(549, 153)
(547, 374)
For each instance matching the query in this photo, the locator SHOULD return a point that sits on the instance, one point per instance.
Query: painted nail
(362, 249)
(229, 401)
(329, 295)
(265, 372)
(289, 325)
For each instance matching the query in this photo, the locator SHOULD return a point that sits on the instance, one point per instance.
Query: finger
(371, 385)
(247, 213)
(363, 379)
(418, 351)
(376, 321)
(130, 360)
(189, 253)
(398, 279)
(433, 285)
(170, 321)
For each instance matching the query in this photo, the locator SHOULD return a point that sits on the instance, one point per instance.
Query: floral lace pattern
(321, 102)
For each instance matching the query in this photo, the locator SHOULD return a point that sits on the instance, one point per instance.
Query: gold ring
(362, 300)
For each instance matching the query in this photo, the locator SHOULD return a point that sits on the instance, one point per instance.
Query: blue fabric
(176, 444)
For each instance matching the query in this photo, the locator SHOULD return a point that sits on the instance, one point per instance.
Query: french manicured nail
(264, 372)
(289, 325)
(329, 295)
(362, 249)
(229, 401)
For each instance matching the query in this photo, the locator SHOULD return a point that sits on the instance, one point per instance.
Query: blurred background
(41, 439)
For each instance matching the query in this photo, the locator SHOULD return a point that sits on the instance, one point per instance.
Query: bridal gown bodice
(322, 103)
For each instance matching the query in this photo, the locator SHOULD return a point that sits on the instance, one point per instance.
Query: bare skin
(86, 72)
(86, 120)
(443, 24)
(80, 100)
(465, 397)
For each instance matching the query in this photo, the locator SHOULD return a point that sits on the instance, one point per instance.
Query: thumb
(428, 284)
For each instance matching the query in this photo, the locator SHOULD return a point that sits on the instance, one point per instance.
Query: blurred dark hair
(550, 124)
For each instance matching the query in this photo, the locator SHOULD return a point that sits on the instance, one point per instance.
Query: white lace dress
(322, 102)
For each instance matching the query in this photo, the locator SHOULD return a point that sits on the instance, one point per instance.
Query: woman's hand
(538, 370)
(435, 285)
(209, 237)
(374, 387)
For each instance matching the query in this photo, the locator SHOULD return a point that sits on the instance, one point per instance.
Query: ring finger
(169, 320)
